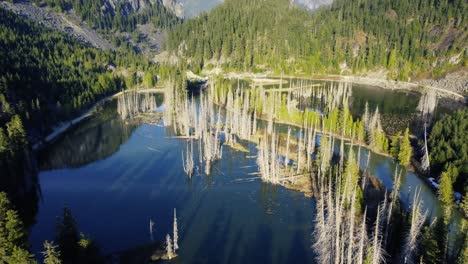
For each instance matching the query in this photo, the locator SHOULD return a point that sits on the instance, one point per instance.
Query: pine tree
(51, 253)
(406, 151)
(13, 237)
(20, 255)
(446, 189)
(88, 251)
(395, 145)
(3, 142)
(432, 251)
(148, 80)
(67, 236)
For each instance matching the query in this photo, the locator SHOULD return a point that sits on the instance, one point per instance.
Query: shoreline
(385, 84)
(377, 82)
(64, 126)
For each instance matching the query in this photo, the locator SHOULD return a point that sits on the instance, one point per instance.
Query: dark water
(117, 175)
(220, 219)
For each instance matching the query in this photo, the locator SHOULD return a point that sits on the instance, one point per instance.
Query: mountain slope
(123, 15)
(58, 21)
(407, 38)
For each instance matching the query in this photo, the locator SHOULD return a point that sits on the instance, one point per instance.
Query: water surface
(116, 175)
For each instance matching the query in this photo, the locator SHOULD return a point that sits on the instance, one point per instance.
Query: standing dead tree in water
(176, 232)
(425, 162)
(286, 157)
(417, 221)
(377, 139)
(209, 128)
(311, 134)
(268, 159)
(133, 103)
(151, 228)
(340, 235)
(377, 250)
(325, 153)
(169, 249)
(391, 206)
(300, 151)
(188, 163)
(427, 104)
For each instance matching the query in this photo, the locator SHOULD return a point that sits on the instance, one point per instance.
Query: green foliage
(379, 141)
(88, 251)
(448, 144)
(156, 14)
(46, 76)
(445, 188)
(13, 237)
(433, 243)
(149, 80)
(20, 255)
(51, 253)
(406, 37)
(67, 236)
(406, 150)
(395, 145)
(74, 248)
(351, 175)
(15, 131)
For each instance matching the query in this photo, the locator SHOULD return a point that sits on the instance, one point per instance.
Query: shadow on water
(94, 139)
(214, 238)
(297, 251)
(260, 249)
(19, 180)
(125, 173)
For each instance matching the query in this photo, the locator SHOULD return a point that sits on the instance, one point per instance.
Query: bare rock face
(174, 6)
(134, 6)
(128, 6)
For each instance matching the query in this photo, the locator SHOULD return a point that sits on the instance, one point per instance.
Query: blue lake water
(116, 175)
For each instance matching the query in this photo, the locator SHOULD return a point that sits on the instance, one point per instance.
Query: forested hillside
(117, 15)
(449, 149)
(47, 77)
(408, 38)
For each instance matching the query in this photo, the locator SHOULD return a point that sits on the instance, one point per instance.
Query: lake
(115, 175)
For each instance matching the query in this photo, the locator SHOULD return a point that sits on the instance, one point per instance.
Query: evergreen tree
(446, 189)
(406, 151)
(20, 255)
(148, 80)
(13, 237)
(365, 34)
(431, 251)
(88, 251)
(395, 145)
(51, 253)
(67, 237)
